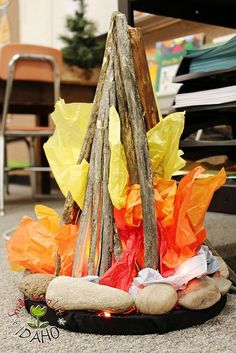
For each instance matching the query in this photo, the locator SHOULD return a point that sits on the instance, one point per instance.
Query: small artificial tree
(82, 48)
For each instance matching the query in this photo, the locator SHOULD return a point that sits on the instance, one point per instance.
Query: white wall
(42, 21)
(35, 21)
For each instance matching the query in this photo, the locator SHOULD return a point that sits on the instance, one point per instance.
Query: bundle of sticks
(125, 84)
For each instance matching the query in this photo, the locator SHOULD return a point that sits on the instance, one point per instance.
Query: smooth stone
(70, 293)
(224, 271)
(34, 286)
(200, 293)
(156, 299)
(222, 283)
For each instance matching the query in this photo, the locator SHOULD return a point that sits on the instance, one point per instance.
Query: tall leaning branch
(101, 166)
(71, 210)
(140, 142)
(107, 207)
(122, 108)
(143, 78)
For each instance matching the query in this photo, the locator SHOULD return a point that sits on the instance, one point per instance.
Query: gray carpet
(217, 335)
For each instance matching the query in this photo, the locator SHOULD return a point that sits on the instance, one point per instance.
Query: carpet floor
(216, 335)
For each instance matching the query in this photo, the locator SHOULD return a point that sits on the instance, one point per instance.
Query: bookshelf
(212, 12)
(215, 12)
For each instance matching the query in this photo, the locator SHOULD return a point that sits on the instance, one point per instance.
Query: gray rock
(224, 271)
(200, 293)
(70, 293)
(34, 286)
(156, 299)
(222, 283)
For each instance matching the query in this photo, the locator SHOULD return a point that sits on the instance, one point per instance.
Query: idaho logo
(38, 312)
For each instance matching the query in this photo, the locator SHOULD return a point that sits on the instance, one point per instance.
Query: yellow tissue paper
(75, 177)
(118, 177)
(63, 148)
(163, 141)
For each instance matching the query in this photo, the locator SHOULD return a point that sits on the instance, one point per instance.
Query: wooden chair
(26, 63)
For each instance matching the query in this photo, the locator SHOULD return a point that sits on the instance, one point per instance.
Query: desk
(38, 100)
(38, 96)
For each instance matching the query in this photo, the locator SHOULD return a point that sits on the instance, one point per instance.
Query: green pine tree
(82, 48)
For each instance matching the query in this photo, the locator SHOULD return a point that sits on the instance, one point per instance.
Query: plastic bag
(63, 148)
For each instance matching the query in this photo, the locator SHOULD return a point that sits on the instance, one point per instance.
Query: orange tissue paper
(35, 243)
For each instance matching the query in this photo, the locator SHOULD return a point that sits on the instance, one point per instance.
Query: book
(219, 57)
(169, 54)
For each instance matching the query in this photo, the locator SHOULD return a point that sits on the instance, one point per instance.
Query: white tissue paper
(203, 263)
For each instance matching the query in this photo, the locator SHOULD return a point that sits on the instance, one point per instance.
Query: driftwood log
(140, 143)
(143, 78)
(122, 108)
(71, 210)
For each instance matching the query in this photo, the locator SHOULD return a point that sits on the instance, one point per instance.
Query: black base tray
(129, 324)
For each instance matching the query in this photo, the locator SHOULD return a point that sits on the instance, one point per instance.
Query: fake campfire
(127, 255)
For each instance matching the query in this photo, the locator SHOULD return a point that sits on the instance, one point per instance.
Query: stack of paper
(206, 97)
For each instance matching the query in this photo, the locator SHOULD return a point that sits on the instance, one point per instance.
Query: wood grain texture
(71, 210)
(143, 79)
(122, 108)
(140, 143)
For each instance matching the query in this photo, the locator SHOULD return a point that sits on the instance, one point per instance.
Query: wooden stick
(101, 228)
(107, 208)
(58, 265)
(71, 210)
(143, 79)
(126, 133)
(117, 242)
(99, 193)
(140, 143)
(84, 218)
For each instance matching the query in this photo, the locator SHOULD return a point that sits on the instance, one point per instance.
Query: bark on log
(107, 207)
(84, 222)
(126, 133)
(117, 242)
(143, 79)
(58, 265)
(71, 210)
(140, 142)
(94, 194)
(99, 165)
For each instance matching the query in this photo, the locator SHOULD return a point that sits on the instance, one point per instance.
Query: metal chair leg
(7, 233)
(11, 68)
(6, 176)
(32, 163)
(1, 174)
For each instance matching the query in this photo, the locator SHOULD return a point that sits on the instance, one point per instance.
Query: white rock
(156, 299)
(224, 271)
(200, 293)
(222, 283)
(68, 293)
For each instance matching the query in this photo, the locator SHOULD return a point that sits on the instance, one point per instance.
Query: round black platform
(129, 324)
